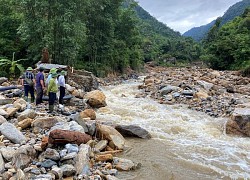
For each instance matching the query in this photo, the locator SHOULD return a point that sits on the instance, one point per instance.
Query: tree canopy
(228, 47)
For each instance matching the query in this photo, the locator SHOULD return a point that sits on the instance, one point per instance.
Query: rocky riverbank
(70, 143)
(217, 93)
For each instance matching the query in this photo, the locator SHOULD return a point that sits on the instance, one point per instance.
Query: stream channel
(186, 144)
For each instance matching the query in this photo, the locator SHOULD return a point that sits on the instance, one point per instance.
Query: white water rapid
(186, 144)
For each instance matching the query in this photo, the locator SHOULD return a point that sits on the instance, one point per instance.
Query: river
(186, 144)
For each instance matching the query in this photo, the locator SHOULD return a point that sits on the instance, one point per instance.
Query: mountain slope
(198, 33)
(154, 25)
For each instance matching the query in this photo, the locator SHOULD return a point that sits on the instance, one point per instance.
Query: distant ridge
(154, 25)
(198, 33)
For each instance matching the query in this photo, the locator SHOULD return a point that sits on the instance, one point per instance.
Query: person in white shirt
(61, 84)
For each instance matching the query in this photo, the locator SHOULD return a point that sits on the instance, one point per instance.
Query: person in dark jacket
(39, 86)
(28, 81)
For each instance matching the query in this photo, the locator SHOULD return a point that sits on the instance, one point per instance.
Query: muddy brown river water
(186, 144)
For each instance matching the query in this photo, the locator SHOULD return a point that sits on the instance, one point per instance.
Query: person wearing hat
(39, 86)
(28, 81)
(52, 70)
(52, 90)
(61, 84)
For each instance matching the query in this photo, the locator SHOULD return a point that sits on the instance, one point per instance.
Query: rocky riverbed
(217, 93)
(69, 143)
(72, 143)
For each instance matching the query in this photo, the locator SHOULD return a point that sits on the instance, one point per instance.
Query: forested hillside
(103, 37)
(98, 36)
(154, 25)
(162, 44)
(198, 33)
(228, 47)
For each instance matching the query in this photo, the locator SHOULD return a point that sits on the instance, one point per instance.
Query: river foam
(197, 142)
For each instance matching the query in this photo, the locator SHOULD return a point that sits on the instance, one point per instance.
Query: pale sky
(182, 15)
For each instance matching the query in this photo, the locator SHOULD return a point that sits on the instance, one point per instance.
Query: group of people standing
(56, 79)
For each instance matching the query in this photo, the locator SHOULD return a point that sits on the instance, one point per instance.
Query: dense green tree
(113, 41)
(103, 36)
(56, 24)
(126, 30)
(10, 19)
(213, 33)
(229, 46)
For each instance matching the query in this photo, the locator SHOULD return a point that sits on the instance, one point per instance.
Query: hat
(63, 73)
(53, 70)
(54, 74)
(29, 69)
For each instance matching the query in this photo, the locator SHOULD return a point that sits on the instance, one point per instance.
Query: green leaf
(20, 67)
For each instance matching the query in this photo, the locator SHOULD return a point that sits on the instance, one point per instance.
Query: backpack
(29, 81)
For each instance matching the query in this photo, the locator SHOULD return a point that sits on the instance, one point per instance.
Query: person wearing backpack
(28, 82)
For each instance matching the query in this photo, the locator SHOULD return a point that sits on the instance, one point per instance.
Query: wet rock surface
(133, 131)
(213, 92)
(239, 122)
(35, 144)
(216, 93)
(72, 143)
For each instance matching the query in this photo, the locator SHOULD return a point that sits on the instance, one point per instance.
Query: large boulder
(88, 113)
(82, 79)
(133, 131)
(68, 170)
(23, 156)
(20, 104)
(96, 99)
(239, 123)
(28, 113)
(82, 160)
(25, 123)
(71, 126)
(205, 85)
(59, 136)
(12, 133)
(101, 145)
(168, 89)
(125, 164)
(116, 140)
(44, 122)
(51, 154)
(8, 152)
(11, 111)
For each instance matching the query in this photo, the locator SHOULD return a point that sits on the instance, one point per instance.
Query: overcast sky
(182, 15)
